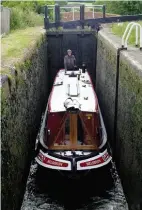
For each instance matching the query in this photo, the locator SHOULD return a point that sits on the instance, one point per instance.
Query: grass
(15, 45)
(119, 28)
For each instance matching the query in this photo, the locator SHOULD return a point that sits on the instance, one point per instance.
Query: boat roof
(67, 87)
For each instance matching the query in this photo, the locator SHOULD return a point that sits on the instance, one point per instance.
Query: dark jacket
(69, 62)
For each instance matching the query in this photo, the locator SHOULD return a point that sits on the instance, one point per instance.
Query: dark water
(100, 190)
(49, 190)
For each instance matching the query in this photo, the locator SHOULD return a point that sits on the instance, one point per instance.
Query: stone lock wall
(106, 80)
(127, 142)
(24, 95)
(129, 129)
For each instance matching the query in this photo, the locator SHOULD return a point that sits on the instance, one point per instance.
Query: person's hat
(69, 50)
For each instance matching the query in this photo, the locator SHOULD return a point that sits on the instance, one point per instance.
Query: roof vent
(73, 87)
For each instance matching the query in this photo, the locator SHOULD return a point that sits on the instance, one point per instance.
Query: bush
(33, 19)
(24, 18)
(122, 7)
(26, 13)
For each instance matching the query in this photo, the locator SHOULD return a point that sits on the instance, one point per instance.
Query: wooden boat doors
(72, 131)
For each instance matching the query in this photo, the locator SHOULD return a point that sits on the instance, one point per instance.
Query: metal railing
(57, 10)
(52, 7)
(128, 31)
(103, 7)
(81, 21)
(89, 7)
(72, 9)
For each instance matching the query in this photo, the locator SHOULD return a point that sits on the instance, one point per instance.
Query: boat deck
(79, 90)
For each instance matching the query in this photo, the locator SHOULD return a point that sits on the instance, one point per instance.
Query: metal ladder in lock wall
(127, 34)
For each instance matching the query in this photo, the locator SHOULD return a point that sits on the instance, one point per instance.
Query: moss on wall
(24, 95)
(105, 82)
(129, 131)
(128, 143)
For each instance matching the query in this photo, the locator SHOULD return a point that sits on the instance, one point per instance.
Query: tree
(122, 7)
(36, 6)
(61, 3)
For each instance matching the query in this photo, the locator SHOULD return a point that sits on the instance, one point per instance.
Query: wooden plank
(73, 130)
(104, 11)
(70, 32)
(82, 8)
(57, 16)
(94, 23)
(46, 19)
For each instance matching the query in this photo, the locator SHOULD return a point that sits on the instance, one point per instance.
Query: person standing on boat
(69, 61)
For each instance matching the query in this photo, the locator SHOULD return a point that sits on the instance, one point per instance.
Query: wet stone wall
(127, 143)
(129, 128)
(106, 80)
(24, 93)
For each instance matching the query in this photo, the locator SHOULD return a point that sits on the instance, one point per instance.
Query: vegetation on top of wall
(122, 7)
(119, 28)
(36, 6)
(26, 13)
(22, 19)
(17, 45)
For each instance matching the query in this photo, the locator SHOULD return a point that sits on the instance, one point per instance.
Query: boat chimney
(83, 68)
(79, 77)
(75, 68)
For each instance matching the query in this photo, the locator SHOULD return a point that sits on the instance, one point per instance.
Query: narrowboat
(73, 137)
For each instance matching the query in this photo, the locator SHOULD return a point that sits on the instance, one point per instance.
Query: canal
(100, 190)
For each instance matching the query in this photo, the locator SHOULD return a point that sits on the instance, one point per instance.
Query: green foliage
(26, 13)
(39, 5)
(36, 6)
(122, 7)
(25, 5)
(62, 3)
(119, 28)
(23, 19)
